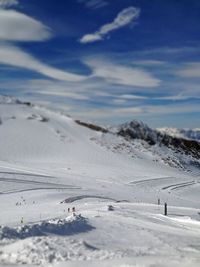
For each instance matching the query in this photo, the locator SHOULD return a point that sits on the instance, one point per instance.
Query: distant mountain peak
(7, 99)
(4, 99)
(190, 134)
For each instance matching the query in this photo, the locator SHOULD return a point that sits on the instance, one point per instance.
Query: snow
(49, 163)
(66, 226)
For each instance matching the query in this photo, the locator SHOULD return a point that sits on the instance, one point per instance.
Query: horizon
(104, 61)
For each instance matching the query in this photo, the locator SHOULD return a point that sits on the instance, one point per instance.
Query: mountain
(74, 194)
(12, 100)
(173, 151)
(190, 134)
(138, 130)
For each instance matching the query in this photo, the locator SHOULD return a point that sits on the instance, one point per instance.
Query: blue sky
(107, 61)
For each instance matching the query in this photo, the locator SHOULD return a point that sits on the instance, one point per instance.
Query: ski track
(76, 198)
(13, 180)
(36, 185)
(151, 180)
(26, 174)
(37, 189)
(170, 186)
(180, 185)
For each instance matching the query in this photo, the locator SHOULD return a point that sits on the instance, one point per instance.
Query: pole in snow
(159, 201)
(165, 209)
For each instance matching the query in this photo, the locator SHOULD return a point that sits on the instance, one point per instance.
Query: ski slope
(49, 163)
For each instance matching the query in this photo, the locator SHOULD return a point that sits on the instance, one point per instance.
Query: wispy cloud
(16, 26)
(71, 95)
(8, 3)
(172, 109)
(190, 70)
(178, 97)
(113, 114)
(132, 97)
(64, 90)
(14, 56)
(124, 18)
(94, 4)
(149, 62)
(123, 75)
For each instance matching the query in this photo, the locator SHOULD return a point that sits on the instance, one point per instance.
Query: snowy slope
(49, 163)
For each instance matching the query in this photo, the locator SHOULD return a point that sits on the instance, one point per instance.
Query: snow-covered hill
(137, 137)
(191, 134)
(114, 178)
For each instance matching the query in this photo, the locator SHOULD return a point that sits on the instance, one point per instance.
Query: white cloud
(149, 62)
(191, 70)
(8, 3)
(124, 18)
(57, 93)
(94, 4)
(119, 101)
(176, 97)
(13, 56)
(122, 75)
(132, 97)
(54, 88)
(90, 38)
(114, 114)
(128, 110)
(111, 115)
(16, 26)
(172, 109)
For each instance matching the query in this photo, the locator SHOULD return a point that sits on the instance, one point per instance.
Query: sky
(105, 61)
